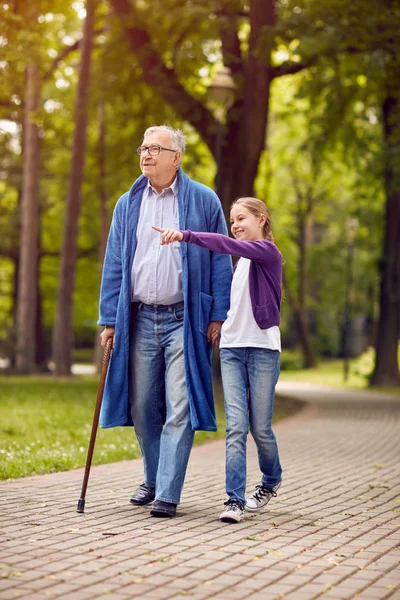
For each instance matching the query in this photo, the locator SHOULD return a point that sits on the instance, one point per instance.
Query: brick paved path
(333, 532)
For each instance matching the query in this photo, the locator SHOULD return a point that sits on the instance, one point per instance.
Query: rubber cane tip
(81, 506)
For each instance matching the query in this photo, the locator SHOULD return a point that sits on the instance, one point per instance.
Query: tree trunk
(41, 353)
(302, 238)
(12, 345)
(301, 327)
(386, 372)
(300, 310)
(15, 226)
(27, 291)
(245, 133)
(104, 217)
(62, 337)
(234, 181)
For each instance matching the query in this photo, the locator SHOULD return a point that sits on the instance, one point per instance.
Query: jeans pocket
(205, 304)
(179, 314)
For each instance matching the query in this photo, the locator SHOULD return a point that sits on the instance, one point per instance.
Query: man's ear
(177, 159)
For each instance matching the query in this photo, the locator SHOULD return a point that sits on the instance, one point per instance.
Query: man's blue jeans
(249, 377)
(160, 406)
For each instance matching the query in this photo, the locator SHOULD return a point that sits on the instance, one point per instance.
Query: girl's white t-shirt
(240, 328)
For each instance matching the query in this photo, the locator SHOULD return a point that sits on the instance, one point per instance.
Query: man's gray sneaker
(260, 497)
(233, 512)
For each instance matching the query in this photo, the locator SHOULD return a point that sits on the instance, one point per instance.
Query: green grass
(46, 422)
(330, 373)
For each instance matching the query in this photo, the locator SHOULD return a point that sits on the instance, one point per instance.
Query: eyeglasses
(154, 150)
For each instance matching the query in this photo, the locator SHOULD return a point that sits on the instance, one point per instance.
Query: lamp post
(221, 94)
(351, 226)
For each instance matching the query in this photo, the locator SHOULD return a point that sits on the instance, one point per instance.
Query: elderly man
(162, 305)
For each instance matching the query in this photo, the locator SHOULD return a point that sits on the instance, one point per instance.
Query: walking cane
(104, 368)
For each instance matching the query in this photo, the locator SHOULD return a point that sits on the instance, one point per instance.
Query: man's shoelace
(263, 491)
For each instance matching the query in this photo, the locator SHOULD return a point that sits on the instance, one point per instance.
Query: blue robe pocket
(205, 304)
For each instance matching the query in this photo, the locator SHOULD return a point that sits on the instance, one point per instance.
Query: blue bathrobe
(206, 281)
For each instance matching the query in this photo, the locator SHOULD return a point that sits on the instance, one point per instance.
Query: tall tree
(27, 287)
(243, 136)
(28, 38)
(62, 335)
(364, 43)
(305, 198)
(386, 370)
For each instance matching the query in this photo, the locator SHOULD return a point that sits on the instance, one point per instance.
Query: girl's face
(245, 225)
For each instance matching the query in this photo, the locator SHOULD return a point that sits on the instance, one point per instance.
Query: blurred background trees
(311, 124)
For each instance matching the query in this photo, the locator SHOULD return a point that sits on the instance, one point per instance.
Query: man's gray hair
(178, 139)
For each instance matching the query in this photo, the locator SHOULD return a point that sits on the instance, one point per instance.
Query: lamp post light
(221, 95)
(351, 226)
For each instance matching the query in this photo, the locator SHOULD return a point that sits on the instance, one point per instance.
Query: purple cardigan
(265, 275)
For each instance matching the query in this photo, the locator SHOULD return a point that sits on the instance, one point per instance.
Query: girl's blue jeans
(249, 377)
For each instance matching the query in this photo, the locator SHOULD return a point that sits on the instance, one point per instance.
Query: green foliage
(292, 360)
(325, 165)
(363, 366)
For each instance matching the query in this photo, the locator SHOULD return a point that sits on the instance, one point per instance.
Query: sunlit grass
(46, 422)
(46, 425)
(331, 374)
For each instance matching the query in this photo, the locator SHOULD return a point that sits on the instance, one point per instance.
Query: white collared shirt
(157, 270)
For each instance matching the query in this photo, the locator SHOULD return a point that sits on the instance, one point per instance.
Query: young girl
(250, 349)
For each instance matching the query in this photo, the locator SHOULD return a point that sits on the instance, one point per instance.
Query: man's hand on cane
(108, 332)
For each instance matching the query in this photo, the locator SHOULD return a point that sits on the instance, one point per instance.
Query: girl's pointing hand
(168, 236)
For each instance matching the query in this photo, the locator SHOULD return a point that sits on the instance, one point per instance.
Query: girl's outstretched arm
(260, 251)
